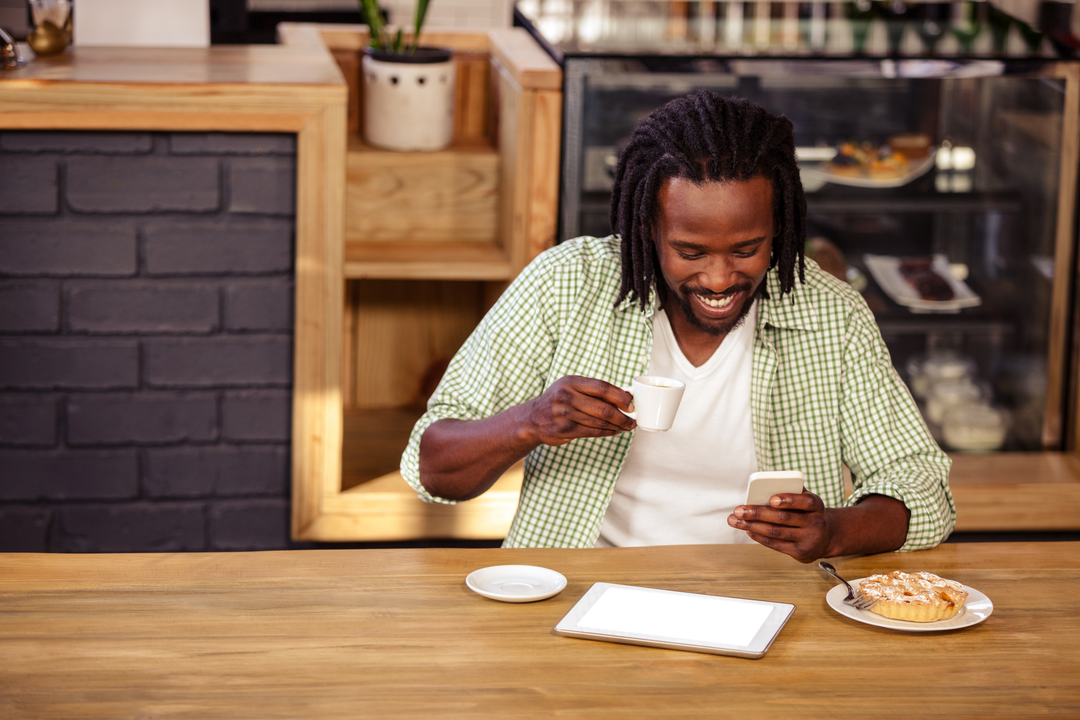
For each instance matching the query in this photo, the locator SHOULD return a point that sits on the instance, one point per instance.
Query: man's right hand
(579, 407)
(460, 459)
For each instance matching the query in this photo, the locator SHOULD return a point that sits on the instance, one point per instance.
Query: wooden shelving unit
(430, 241)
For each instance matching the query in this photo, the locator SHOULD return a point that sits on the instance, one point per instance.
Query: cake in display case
(938, 150)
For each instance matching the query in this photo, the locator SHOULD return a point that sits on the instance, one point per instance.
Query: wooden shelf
(424, 215)
(377, 505)
(420, 260)
(449, 195)
(1002, 492)
(430, 240)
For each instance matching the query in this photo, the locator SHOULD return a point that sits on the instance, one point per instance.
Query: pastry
(865, 159)
(848, 161)
(915, 597)
(911, 145)
(920, 274)
(888, 165)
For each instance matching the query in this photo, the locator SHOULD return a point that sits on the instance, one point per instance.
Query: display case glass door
(944, 191)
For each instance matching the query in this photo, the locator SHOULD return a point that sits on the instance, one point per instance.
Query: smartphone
(763, 485)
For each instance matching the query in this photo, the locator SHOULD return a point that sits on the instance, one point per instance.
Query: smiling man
(704, 282)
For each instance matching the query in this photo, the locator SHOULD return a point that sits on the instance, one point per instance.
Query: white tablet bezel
(779, 615)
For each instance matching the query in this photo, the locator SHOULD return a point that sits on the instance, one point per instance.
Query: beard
(716, 328)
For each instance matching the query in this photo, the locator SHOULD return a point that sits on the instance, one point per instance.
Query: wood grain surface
(396, 633)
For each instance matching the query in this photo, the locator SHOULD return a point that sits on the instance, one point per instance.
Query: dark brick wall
(145, 341)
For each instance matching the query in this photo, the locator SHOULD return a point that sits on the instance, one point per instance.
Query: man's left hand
(801, 526)
(796, 524)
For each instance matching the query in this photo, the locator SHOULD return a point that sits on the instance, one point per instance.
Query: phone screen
(674, 615)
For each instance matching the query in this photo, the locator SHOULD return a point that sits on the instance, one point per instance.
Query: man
(782, 372)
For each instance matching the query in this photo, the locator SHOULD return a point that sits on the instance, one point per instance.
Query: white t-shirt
(678, 487)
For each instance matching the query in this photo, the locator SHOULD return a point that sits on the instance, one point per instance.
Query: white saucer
(976, 609)
(516, 583)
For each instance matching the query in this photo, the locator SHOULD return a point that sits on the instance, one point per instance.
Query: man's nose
(720, 275)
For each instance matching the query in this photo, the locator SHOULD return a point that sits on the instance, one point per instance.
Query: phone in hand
(763, 485)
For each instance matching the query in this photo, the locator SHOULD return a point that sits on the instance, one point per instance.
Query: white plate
(516, 583)
(886, 272)
(915, 170)
(977, 608)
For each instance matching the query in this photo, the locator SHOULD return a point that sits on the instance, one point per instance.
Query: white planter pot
(409, 99)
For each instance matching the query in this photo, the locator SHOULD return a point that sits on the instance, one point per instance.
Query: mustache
(706, 293)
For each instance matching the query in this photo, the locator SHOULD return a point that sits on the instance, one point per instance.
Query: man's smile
(717, 305)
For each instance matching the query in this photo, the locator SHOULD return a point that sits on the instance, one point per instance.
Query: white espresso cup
(656, 400)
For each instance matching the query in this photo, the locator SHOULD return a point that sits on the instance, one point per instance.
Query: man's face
(714, 241)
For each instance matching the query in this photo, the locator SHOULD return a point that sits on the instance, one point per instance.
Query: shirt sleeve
(502, 364)
(887, 445)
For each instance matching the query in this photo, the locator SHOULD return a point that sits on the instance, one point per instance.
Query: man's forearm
(461, 459)
(877, 523)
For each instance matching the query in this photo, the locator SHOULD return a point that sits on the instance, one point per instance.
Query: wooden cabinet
(431, 239)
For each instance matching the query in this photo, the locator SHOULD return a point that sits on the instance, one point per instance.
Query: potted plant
(408, 89)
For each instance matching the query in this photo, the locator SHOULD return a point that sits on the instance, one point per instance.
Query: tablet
(676, 620)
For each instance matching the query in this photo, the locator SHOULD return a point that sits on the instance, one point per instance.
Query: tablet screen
(670, 614)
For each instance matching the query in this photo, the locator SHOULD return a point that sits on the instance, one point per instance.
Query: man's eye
(690, 256)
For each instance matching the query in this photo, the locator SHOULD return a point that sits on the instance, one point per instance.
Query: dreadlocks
(704, 137)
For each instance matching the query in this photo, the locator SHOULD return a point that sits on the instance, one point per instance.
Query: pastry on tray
(915, 597)
(920, 274)
(852, 159)
(911, 145)
(891, 160)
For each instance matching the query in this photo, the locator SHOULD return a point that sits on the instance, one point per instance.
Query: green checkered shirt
(823, 393)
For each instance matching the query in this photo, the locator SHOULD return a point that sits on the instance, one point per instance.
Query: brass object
(48, 39)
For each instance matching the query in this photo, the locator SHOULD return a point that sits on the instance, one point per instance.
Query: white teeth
(721, 302)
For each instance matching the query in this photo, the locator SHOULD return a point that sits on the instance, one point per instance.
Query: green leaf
(375, 23)
(421, 13)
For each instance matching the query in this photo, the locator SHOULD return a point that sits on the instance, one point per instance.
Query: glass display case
(938, 148)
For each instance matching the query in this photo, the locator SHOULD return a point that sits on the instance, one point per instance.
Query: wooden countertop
(304, 65)
(396, 633)
(259, 88)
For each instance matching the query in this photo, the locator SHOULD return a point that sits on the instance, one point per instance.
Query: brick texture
(115, 184)
(68, 363)
(65, 247)
(249, 524)
(24, 529)
(256, 415)
(230, 247)
(29, 306)
(146, 340)
(106, 143)
(263, 185)
(219, 470)
(259, 304)
(134, 527)
(220, 361)
(68, 474)
(127, 418)
(142, 306)
(31, 185)
(27, 419)
(232, 144)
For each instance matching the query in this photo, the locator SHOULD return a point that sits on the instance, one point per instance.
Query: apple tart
(915, 597)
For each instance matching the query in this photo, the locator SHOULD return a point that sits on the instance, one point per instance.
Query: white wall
(454, 14)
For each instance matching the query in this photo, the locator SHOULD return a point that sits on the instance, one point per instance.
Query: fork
(855, 599)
